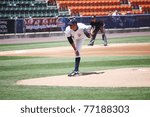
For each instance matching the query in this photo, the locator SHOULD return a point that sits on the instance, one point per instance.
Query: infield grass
(7, 47)
(15, 68)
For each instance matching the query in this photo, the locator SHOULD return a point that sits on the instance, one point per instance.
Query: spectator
(116, 12)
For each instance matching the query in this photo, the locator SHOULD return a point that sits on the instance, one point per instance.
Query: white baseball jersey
(78, 36)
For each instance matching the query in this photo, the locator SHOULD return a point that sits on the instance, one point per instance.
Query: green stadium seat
(26, 8)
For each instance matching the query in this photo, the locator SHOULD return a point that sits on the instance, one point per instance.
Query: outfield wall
(31, 25)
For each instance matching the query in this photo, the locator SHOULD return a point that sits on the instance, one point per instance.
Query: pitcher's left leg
(78, 45)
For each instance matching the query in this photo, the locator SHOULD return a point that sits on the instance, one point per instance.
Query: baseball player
(75, 34)
(97, 26)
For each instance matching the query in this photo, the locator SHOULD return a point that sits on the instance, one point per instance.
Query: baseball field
(38, 70)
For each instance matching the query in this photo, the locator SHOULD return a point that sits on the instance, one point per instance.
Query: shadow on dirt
(91, 73)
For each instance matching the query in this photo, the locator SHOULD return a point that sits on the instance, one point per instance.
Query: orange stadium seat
(101, 7)
(140, 1)
(145, 6)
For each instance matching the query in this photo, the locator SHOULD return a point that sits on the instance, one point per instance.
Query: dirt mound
(126, 77)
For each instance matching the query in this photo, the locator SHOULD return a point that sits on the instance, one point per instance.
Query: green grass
(7, 47)
(139, 39)
(73, 93)
(15, 68)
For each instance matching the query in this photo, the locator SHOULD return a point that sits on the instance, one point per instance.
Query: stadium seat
(84, 7)
(24, 8)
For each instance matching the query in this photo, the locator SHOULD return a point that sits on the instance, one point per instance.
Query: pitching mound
(126, 77)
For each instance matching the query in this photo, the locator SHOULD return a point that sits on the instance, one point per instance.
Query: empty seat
(85, 7)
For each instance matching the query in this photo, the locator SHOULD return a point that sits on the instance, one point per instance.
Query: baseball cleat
(105, 43)
(74, 73)
(91, 43)
(104, 40)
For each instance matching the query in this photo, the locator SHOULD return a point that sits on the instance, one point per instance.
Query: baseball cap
(72, 22)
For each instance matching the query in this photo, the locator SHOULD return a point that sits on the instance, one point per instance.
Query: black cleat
(105, 43)
(91, 43)
(74, 73)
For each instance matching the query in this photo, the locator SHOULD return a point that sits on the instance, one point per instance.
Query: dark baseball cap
(72, 22)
